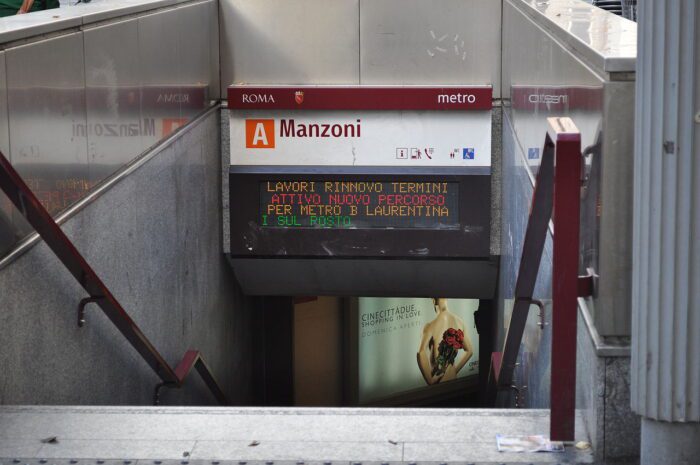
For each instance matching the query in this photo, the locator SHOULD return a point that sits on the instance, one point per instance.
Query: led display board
(359, 204)
(308, 214)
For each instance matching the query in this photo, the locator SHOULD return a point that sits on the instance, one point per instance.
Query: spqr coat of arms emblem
(299, 97)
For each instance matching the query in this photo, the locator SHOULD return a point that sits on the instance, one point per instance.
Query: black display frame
(249, 239)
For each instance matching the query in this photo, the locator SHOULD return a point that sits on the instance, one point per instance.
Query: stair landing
(270, 436)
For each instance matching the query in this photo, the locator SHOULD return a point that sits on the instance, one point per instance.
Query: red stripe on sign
(359, 98)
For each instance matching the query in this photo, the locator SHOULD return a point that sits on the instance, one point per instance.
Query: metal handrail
(557, 189)
(29, 206)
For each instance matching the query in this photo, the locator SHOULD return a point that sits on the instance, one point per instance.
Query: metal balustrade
(556, 197)
(39, 218)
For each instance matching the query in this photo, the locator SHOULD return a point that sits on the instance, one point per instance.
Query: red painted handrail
(556, 196)
(29, 206)
(567, 207)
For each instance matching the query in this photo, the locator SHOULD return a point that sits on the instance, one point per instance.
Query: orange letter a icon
(260, 133)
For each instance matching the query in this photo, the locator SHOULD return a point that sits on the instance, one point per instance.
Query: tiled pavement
(269, 436)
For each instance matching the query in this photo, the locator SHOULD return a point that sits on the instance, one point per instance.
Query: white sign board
(354, 138)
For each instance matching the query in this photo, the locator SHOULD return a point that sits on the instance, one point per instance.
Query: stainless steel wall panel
(214, 55)
(606, 41)
(283, 42)
(8, 231)
(533, 368)
(46, 107)
(81, 105)
(4, 124)
(113, 97)
(160, 73)
(531, 56)
(544, 77)
(194, 52)
(421, 42)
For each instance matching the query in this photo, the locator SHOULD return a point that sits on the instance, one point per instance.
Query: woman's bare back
(436, 329)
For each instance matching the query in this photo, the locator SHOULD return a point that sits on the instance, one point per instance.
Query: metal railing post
(567, 198)
(556, 195)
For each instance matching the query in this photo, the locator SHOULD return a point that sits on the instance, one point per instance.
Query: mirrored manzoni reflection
(46, 97)
(81, 106)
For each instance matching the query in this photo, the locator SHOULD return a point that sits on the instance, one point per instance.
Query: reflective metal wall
(283, 42)
(46, 103)
(534, 355)
(113, 97)
(77, 106)
(544, 75)
(8, 233)
(369, 42)
(425, 42)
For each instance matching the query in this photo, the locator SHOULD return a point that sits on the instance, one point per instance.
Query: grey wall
(370, 42)
(154, 238)
(603, 394)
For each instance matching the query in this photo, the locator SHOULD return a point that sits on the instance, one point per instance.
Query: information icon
(402, 153)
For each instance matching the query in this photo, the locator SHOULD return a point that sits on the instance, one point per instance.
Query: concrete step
(270, 436)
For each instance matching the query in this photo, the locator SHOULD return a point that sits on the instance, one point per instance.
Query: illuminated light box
(329, 186)
(412, 350)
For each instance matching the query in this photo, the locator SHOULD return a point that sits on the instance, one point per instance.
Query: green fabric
(11, 7)
(7, 11)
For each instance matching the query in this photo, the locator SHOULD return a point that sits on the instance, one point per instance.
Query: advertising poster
(414, 344)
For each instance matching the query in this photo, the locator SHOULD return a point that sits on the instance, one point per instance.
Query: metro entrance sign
(361, 126)
(326, 180)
